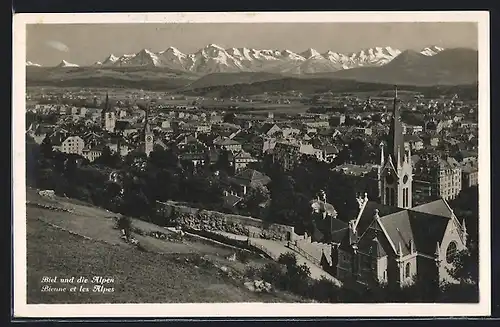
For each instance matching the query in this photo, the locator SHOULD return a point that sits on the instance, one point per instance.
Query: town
(369, 187)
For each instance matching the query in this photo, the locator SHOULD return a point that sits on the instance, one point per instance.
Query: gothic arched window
(407, 270)
(450, 251)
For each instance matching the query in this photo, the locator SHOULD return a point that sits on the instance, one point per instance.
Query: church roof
(407, 226)
(438, 207)
(423, 225)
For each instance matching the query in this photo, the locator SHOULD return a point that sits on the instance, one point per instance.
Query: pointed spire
(396, 142)
(382, 156)
(106, 103)
(147, 128)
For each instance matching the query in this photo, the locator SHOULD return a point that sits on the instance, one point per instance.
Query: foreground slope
(82, 243)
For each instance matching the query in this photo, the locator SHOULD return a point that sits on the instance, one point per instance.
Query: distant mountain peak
(30, 63)
(310, 53)
(431, 50)
(65, 63)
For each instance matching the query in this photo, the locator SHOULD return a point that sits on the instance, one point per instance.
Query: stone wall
(205, 220)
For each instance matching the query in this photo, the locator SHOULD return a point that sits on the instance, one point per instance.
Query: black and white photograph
(276, 164)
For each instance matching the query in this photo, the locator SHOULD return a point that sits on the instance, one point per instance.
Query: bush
(324, 290)
(273, 273)
(243, 256)
(288, 259)
(252, 272)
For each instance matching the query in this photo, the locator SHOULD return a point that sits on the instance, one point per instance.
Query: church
(390, 241)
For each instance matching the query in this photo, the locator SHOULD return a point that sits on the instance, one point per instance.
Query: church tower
(395, 173)
(108, 119)
(148, 135)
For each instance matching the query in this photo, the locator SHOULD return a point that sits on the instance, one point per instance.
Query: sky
(84, 44)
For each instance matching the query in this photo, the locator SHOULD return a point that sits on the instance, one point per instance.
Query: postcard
(260, 164)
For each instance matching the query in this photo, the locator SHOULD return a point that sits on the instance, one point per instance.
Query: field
(84, 243)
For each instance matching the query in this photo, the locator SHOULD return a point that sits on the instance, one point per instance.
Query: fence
(306, 255)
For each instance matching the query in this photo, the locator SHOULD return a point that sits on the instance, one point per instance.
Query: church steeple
(108, 119)
(148, 134)
(106, 103)
(395, 142)
(395, 172)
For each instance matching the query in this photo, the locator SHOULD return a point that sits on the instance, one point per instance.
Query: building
(108, 117)
(242, 159)
(148, 136)
(396, 172)
(70, 145)
(228, 144)
(92, 154)
(393, 242)
(413, 142)
(469, 176)
(395, 246)
(444, 176)
(245, 180)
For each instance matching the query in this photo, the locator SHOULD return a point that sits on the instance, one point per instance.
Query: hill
(79, 240)
(217, 79)
(448, 67)
(125, 77)
(321, 85)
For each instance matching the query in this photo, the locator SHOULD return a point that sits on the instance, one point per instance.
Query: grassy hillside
(83, 243)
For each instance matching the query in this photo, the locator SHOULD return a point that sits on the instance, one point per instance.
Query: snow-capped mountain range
(30, 63)
(64, 64)
(215, 59)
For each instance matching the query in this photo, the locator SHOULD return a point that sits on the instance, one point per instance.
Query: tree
(229, 118)
(465, 265)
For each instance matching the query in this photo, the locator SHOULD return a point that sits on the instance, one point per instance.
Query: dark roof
(407, 226)
(437, 207)
(411, 138)
(267, 127)
(368, 214)
(331, 149)
(231, 200)
(250, 177)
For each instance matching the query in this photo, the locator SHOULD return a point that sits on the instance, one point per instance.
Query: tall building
(148, 135)
(395, 172)
(108, 117)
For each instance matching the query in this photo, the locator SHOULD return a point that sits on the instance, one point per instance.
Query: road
(274, 249)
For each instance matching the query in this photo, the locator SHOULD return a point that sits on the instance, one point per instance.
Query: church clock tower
(395, 174)
(148, 135)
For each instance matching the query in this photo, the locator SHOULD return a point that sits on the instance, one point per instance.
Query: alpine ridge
(216, 59)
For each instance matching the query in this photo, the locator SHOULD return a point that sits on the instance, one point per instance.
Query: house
(413, 142)
(92, 154)
(337, 120)
(70, 145)
(246, 179)
(444, 176)
(269, 129)
(430, 140)
(228, 144)
(469, 175)
(330, 152)
(242, 159)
